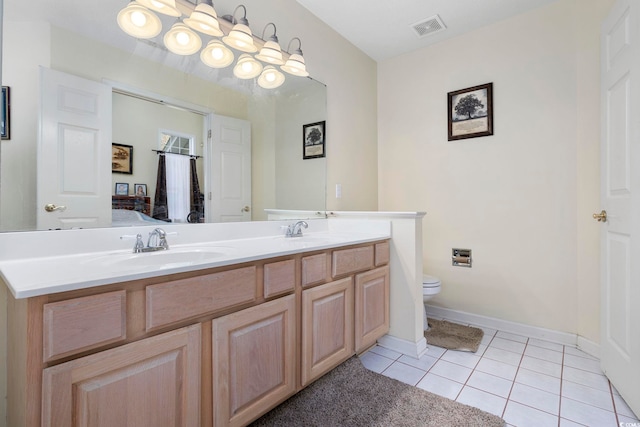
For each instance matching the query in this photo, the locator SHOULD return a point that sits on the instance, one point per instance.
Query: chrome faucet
(295, 230)
(157, 241)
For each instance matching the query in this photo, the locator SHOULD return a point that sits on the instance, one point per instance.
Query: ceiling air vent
(428, 26)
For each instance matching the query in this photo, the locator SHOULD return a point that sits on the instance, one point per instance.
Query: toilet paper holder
(461, 257)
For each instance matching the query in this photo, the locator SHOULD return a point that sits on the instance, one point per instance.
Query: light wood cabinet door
(149, 383)
(254, 361)
(327, 328)
(372, 307)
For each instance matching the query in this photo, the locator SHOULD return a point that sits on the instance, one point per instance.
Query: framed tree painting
(313, 139)
(470, 112)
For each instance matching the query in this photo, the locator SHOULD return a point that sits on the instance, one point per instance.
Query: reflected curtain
(160, 210)
(178, 171)
(196, 202)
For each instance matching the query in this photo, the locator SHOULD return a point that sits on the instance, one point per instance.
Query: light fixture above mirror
(138, 20)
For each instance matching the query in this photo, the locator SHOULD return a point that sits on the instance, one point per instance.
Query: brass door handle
(52, 208)
(246, 209)
(601, 217)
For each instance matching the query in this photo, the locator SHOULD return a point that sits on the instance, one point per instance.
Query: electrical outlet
(338, 191)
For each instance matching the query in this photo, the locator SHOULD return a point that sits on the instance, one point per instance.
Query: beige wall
(138, 123)
(522, 198)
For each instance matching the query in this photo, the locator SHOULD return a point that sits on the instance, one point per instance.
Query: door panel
(230, 198)
(74, 152)
(620, 177)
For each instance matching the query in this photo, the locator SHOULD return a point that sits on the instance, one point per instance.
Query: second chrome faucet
(295, 230)
(157, 242)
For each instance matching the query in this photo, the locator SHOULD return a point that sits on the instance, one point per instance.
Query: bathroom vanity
(216, 342)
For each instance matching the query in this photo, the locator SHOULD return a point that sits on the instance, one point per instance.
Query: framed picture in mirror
(6, 109)
(121, 158)
(313, 139)
(140, 190)
(122, 189)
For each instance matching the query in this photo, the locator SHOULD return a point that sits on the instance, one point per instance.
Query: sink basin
(172, 258)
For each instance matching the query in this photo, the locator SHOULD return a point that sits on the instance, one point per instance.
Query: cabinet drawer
(279, 278)
(314, 269)
(382, 254)
(81, 324)
(178, 300)
(347, 261)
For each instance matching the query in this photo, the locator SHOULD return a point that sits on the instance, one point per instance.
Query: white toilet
(430, 288)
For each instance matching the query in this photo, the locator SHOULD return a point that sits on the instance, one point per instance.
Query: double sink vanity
(221, 327)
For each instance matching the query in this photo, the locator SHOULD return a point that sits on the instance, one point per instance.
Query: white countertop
(51, 270)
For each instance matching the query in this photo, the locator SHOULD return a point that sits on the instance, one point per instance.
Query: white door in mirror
(74, 152)
(230, 170)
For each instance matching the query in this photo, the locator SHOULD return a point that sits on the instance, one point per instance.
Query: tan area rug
(353, 396)
(453, 336)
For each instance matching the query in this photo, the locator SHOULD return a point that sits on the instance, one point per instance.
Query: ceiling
(383, 29)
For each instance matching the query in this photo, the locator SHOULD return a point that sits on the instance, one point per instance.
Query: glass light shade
(166, 7)
(182, 40)
(205, 20)
(271, 53)
(138, 21)
(247, 67)
(270, 78)
(295, 65)
(240, 38)
(216, 55)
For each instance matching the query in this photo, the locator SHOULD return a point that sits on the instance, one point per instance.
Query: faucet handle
(139, 245)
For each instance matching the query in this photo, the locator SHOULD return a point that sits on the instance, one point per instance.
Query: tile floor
(526, 381)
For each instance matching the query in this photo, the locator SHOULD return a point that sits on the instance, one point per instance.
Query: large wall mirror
(84, 40)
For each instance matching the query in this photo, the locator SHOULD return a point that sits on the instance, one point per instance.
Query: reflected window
(178, 143)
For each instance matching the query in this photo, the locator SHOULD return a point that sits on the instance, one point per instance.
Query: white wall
(300, 184)
(29, 46)
(522, 198)
(137, 123)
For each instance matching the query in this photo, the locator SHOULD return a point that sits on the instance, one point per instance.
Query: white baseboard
(564, 338)
(413, 349)
(588, 347)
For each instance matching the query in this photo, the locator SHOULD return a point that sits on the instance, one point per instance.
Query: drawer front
(179, 300)
(81, 324)
(279, 278)
(382, 254)
(347, 261)
(314, 269)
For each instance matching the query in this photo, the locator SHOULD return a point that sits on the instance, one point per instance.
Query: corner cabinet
(213, 347)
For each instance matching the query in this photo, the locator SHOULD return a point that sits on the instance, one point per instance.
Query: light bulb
(138, 19)
(247, 66)
(217, 53)
(182, 38)
(270, 77)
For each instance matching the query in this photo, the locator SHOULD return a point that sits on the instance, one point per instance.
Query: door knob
(52, 208)
(601, 217)
(246, 209)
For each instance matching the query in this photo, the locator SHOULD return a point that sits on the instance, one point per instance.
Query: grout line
(613, 400)
(513, 383)
(561, 380)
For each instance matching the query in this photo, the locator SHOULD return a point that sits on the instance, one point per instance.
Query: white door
(230, 170)
(620, 196)
(74, 152)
